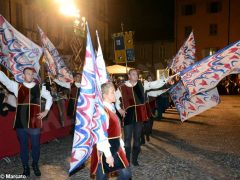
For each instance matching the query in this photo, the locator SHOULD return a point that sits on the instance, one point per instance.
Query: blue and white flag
(91, 119)
(101, 63)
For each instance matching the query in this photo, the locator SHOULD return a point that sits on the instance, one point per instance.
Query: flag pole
(124, 47)
(97, 37)
(126, 64)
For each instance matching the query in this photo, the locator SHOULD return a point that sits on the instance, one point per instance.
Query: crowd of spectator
(230, 85)
(7, 101)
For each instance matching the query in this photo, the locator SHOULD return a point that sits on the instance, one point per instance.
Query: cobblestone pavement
(204, 147)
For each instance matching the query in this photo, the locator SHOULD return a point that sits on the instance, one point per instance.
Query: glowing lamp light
(68, 8)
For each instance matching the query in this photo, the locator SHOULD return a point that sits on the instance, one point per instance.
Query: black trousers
(124, 174)
(146, 130)
(132, 130)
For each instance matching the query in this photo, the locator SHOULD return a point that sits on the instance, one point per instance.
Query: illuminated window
(208, 51)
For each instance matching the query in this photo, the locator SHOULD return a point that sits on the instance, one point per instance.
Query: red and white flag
(185, 56)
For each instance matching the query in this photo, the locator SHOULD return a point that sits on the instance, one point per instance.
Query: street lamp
(68, 8)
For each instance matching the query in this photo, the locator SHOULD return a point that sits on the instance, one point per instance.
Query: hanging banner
(119, 48)
(128, 37)
(123, 47)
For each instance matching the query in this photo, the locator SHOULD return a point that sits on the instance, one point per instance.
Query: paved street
(205, 147)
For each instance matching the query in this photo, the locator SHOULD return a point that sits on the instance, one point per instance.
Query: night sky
(150, 19)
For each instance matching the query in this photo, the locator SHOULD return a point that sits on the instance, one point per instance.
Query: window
(212, 51)
(214, 7)
(187, 31)
(208, 51)
(213, 29)
(188, 9)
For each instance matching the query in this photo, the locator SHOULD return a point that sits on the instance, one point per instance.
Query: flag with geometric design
(187, 106)
(17, 51)
(185, 56)
(207, 73)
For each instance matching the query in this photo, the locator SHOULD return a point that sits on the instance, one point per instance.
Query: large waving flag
(101, 63)
(207, 73)
(63, 73)
(189, 106)
(17, 51)
(90, 125)
(192, 106)
(185, 56)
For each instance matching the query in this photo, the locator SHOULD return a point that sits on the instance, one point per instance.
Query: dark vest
(28, 106)
(114, 135)
(73, 100)
(133, 102)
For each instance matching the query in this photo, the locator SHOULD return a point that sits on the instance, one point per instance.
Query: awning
(117, 69)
